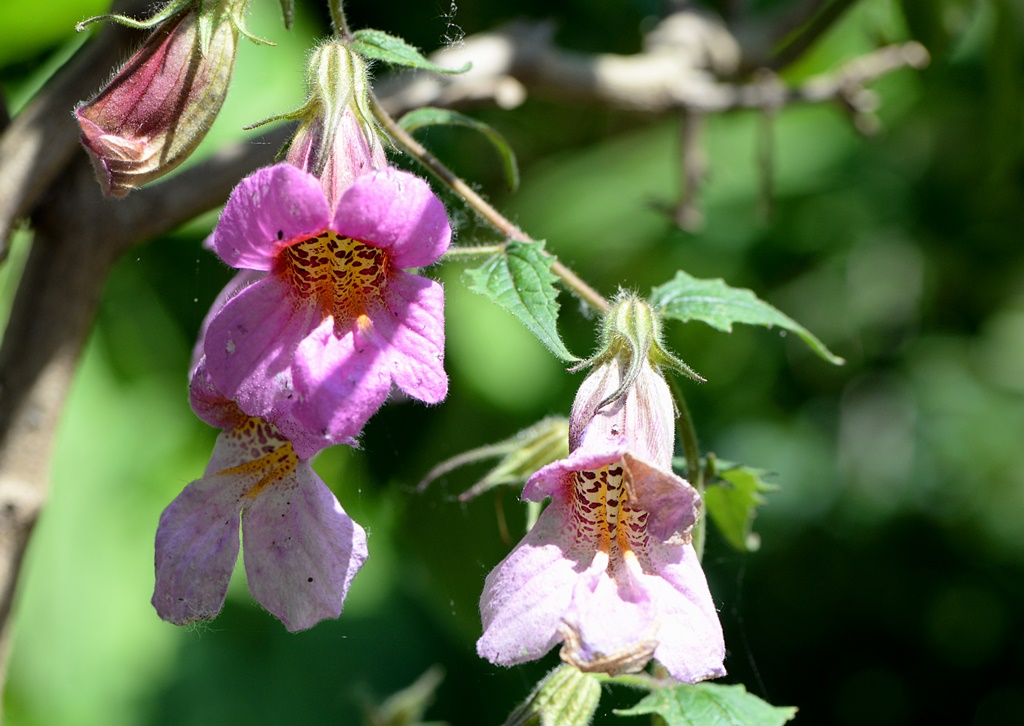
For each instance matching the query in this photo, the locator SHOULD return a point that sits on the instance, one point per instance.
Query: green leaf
(407, 707)
(383, 47)
(715, 303)
(732, 503)
(518, 457)
(519, 279)
(710, 704)
(430, 116)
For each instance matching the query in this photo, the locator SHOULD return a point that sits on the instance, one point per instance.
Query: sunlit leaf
(430, 116)
(407, 707)
(518, 457)
(710, 704)
(732, 501)
(519, 279)
(380, 46)
(713, 302)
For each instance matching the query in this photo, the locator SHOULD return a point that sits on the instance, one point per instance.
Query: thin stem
(691, 451)
(338, 19)
(459, 253)
(415, 148)
(569, 278)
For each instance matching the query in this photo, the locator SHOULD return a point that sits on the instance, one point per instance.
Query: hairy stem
(691, 451)
(415, 149)
(338, 19)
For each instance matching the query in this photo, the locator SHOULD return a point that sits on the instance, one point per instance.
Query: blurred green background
(890, 581)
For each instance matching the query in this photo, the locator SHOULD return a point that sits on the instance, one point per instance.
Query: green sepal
(167, 11)
(519, 279)
(380, 46)
(710, 704)
(713, 302)
(430, 116)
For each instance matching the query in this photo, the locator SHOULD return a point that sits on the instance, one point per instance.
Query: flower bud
(626, 367)
(337, 139)
(564, 697)
(160, 105)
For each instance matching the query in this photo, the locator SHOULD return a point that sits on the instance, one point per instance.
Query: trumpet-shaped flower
(608, 569)
(301, 549)
(336, 320)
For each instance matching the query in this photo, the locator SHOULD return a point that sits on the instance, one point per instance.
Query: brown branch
(694, 168)
(681, 68)
(79, 235)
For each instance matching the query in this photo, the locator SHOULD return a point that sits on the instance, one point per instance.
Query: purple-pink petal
(196, 548)
(613, 618)
(690, 642)
(673, 504)
(208, 403)
(395, 211)
(235, 285)
(410, 330)
(526, 595)
(339, 382)
(268, 210)
(301, 550)
(251, 342)
(553, 479)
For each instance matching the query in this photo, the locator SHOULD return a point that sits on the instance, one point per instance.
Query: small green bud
(631, 331)
(337, 139)
(564, 697)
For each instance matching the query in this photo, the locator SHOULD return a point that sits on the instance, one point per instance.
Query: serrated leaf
(710, 704)
(519, 279)
(715, 303)
(430, 116)
(732, 503)
(380, 46)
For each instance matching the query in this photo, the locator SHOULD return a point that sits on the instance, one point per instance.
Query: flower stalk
(400, 136)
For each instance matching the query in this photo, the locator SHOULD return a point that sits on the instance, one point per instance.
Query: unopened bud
(337, 138)
(631, 333)
(160, 105)
(564, 697)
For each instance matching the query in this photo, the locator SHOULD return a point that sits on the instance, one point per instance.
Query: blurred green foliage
(890, 579)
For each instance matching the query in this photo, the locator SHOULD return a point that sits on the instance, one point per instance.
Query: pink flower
(608, 570)
(160, 105)
(320, 339)
(301, 549)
